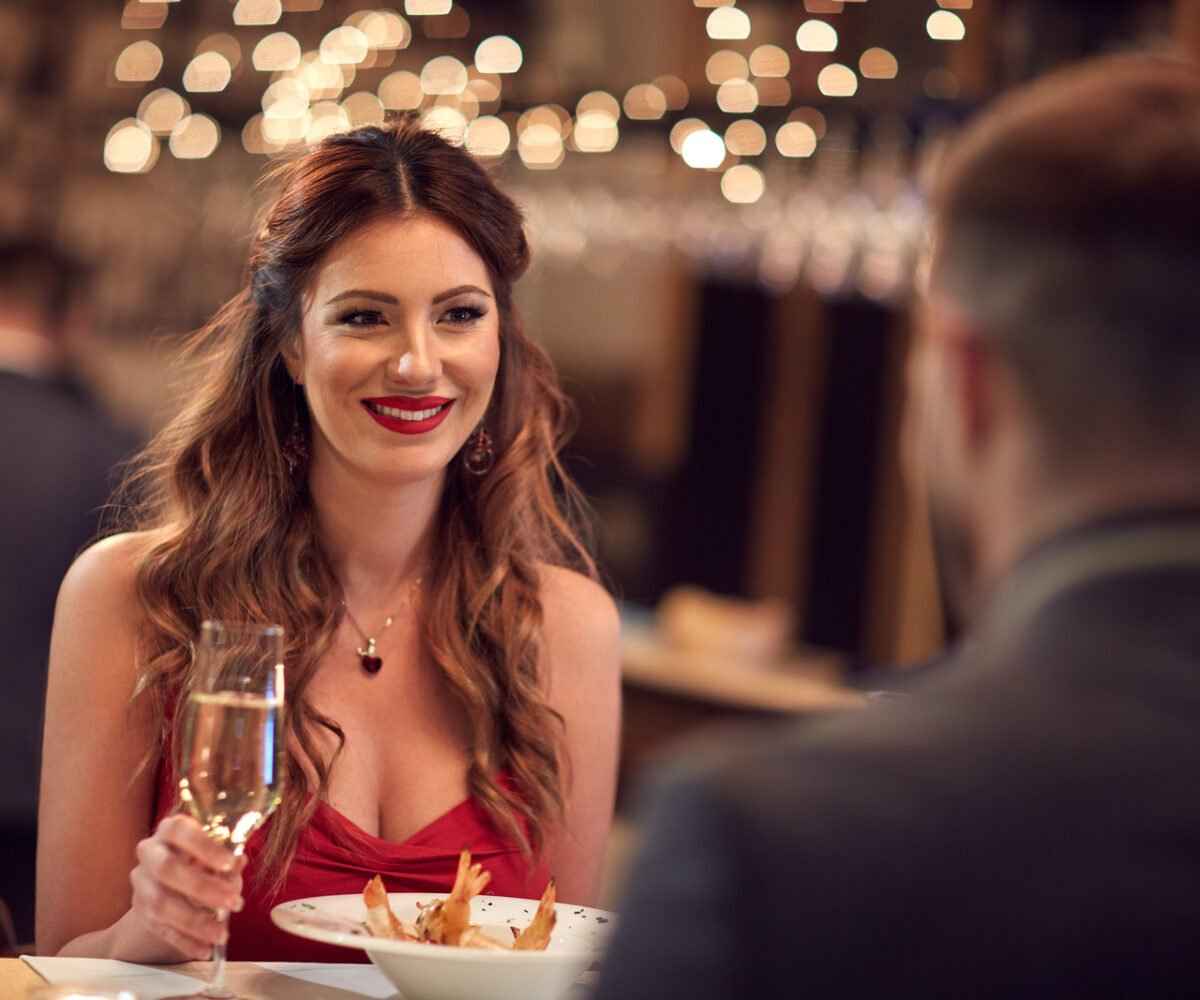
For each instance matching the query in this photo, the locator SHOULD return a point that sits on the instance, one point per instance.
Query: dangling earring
(295, 445)
(479, 456)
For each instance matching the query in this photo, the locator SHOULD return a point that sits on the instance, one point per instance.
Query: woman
(369, 460)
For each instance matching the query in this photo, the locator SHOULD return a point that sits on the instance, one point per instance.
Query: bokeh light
(675, 91)
(816, 36)
(836, 80)
(207, 73)
(726, 65)
(770, 61)
(745, 137)
(498, 54)
(444, 75)
(194, 137)
(541, 147)
(945, 26)
(162, 110)
(878, 64)
(140, 15)
(139, 62)
(277, 51)
(130, 147)
(796, 139)
(488, 137)
(703, 149)
(257, 12)
(427, 8)
(400, 91)
(737, 97)
(326, 118)
(596, 132)
(682, 129)
(344, 46)
(645, 102)
(728, 23)
(598, 100)
(363, 108)
(743, 184)
(448, 122)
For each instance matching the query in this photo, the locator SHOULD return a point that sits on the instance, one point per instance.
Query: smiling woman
(369, 459)
(400, 331)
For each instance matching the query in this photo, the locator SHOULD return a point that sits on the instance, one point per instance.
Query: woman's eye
(361, 317)
(463, 315)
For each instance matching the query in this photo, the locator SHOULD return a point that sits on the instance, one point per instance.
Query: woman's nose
(414, 361)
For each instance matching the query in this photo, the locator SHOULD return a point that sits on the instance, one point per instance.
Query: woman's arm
(582, 656)
(104, 882)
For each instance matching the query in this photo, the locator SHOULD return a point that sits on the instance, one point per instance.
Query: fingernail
(237, 904)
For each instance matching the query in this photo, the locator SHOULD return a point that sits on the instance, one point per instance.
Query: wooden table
(17, 979)
(670, 694)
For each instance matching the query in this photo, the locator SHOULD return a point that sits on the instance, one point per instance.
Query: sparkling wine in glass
(231, 762)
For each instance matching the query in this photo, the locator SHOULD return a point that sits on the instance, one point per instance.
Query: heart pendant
(371, 664)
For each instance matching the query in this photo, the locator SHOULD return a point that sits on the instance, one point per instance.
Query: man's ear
(972, 376)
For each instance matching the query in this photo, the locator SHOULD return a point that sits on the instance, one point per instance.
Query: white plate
(434, 972)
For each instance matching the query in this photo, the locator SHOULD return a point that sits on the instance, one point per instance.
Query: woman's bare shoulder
(580, 626)
(573, 602)
(105, 574)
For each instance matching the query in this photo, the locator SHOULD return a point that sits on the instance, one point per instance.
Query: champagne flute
(231, 763)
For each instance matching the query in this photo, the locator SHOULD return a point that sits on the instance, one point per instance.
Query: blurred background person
(58, 454)
(1025, 823)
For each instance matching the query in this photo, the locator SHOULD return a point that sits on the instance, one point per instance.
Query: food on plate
(536, 936)
(448, 921)
(381, 921)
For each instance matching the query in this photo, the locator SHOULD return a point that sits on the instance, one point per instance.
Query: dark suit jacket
(1025, 824)
(56, 456)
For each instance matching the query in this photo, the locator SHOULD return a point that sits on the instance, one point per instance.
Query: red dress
(335, 856)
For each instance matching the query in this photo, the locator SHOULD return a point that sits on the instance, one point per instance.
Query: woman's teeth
(413, 415)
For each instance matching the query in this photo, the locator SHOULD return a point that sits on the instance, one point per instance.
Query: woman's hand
(182, 879)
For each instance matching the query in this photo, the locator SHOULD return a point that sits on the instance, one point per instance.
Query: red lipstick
(435, 409)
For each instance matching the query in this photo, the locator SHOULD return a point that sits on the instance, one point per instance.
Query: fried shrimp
(536, 936)
(448, 921)
(381, 921)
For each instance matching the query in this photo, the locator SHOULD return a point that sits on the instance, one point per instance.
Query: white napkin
(261, 979)
(146, 981)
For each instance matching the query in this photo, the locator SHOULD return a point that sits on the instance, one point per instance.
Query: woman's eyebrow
(451, 292)
(364, 293)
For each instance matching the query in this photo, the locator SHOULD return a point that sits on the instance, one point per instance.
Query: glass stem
(216, 983)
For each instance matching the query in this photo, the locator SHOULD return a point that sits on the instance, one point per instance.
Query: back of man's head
(39, 284)
(1068, 221)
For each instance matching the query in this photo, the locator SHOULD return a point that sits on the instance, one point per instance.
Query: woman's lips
(409, 416)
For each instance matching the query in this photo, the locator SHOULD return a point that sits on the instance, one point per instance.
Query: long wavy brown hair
(232, 531)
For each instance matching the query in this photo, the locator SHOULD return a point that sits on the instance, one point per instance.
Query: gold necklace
(368, 656)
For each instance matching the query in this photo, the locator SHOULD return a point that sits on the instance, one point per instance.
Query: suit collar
(1131, 542)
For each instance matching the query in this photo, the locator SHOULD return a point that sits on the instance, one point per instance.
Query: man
(1026, 822)
(56, 454)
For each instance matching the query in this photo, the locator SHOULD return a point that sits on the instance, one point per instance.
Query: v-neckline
(417, 835)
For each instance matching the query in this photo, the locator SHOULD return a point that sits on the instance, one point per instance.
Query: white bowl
(435, 972)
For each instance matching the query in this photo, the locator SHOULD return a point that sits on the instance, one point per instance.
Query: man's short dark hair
(1068, 228)
(37, 275)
